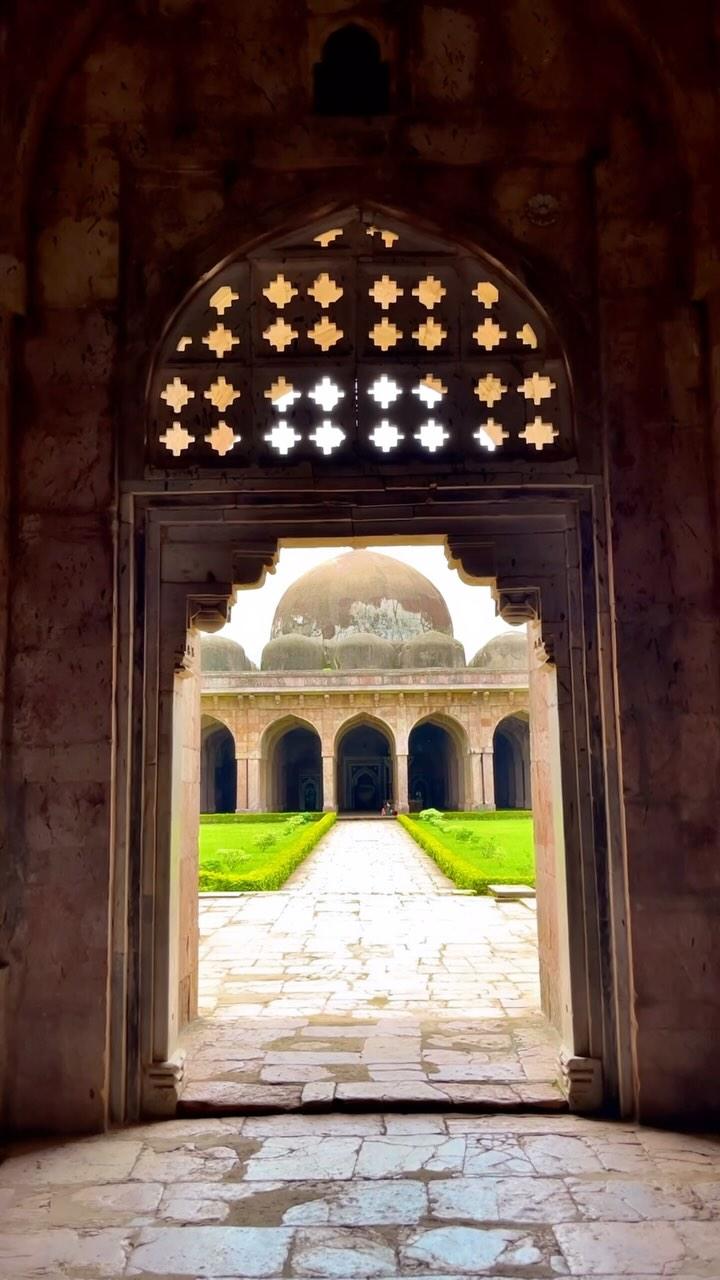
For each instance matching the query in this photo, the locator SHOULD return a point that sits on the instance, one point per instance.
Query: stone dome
(293, 653)
(363, 651)
(221, 656)
(362, 591)
(432, 649)
(507, 652)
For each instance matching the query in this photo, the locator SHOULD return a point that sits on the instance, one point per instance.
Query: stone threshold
(220, 1098)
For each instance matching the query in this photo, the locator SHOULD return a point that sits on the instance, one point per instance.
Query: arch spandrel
(358, 341)
(361, 718)
(277, 728)
(211, 722)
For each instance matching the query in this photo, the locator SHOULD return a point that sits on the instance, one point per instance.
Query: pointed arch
(437, 762)
(218, 772)
(366, 763)
(291, 765)
(511, 762)
(365, 717)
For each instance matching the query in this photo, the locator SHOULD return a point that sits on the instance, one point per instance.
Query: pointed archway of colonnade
(218, 774)
(511, 762)
(291, 767)
(366, 766)
(438, 765)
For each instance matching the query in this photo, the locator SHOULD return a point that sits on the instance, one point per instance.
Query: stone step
(225, 1098)
(511, 892)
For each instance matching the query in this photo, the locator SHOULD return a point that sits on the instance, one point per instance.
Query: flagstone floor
(368, 978)
(345, 1197)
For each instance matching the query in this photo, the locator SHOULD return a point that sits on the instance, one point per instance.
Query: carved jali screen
(357, 341)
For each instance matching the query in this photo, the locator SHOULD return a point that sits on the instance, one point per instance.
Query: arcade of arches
(365, 768)
(364, 697)
(498, 324)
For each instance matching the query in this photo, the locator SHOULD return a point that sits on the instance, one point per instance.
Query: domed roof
(363, 651)
(432, 649)
(293, 653)
(506, 652)
(362, 591)
(219, 655)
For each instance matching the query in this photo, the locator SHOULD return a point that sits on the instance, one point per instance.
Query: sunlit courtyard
(369, 976)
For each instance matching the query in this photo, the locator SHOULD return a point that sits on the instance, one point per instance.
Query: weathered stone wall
(662, 499)
(140, 144)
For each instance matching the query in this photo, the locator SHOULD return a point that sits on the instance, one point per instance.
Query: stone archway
(364, 768)
(190, 605)
(296, 764)
(218, 775)
(511, 763)
(435, 766)
(291, 766)
(430, 471)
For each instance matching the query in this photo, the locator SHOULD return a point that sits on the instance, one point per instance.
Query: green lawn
(478, 849)
(240, 853)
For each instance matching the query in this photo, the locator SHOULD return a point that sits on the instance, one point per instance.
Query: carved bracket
(517, 605)
(472, 557)
(543, 651)
(209, 613)
(253, 561)
(520, 605)
(191, 609)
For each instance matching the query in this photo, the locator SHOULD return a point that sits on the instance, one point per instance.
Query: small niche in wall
(351, 78)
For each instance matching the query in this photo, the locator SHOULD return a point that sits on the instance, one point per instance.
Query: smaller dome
(221, 656)
(432, 649)
(507, 652)
(293, 653)
(363, 651)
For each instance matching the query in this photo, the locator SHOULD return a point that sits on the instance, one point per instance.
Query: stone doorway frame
(183, 558)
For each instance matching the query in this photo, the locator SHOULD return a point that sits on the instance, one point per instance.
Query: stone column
(475, 797)
(329, 796)
(241, 795)
(253, 785)
(401, 784)
(488, 779)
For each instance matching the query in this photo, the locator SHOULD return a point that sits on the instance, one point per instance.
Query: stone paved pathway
(369, 977)
(345, 1197)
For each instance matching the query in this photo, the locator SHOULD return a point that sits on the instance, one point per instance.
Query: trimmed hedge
(464, 873)
(486, 815)
(209, 819)
(273, 873)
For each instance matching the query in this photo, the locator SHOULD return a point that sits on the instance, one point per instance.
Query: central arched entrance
(435, 779)
(365, 769)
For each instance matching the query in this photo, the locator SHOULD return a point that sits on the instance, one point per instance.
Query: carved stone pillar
(475, 798)
(241, 768)
(254, 803)
(488, 775)
(401, 783)
(329, 797)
